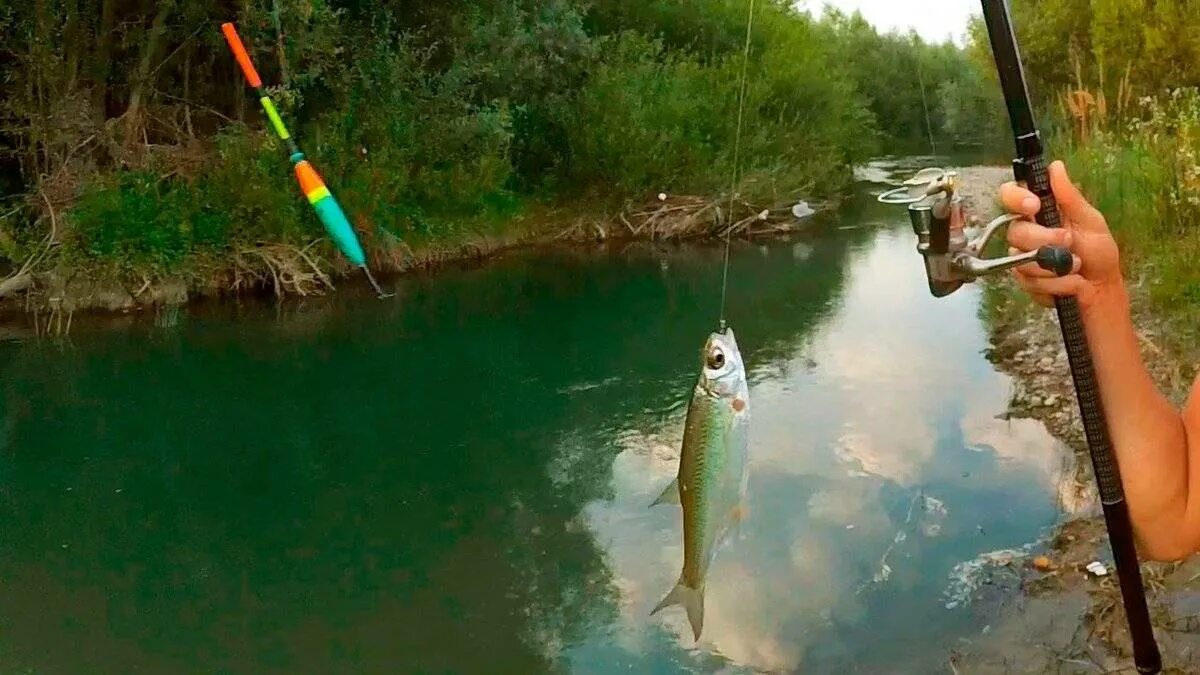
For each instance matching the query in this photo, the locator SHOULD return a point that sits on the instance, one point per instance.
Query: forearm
(1147, 432)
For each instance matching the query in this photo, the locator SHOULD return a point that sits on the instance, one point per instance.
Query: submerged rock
(80, 294)
(169, 292)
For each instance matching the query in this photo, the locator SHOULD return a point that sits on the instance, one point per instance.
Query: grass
(1144, 176)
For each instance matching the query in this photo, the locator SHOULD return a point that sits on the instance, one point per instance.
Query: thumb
(1074, 206)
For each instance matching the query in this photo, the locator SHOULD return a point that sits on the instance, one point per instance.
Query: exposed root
(15, 284)
(285, 269)
(686, 217)
(52, 324)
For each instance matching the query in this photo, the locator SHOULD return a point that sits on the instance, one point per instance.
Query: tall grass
(1143, 172)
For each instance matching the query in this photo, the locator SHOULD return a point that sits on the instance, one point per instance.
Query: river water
(458, 480)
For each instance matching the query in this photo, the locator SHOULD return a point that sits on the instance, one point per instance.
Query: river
(457, 480)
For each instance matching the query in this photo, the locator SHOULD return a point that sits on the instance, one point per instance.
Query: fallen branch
(15, 284)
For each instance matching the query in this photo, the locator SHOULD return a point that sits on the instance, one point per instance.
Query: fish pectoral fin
(738, 514)
(691, 599)
(670, 495)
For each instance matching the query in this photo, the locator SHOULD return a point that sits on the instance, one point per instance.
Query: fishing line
(737, 158)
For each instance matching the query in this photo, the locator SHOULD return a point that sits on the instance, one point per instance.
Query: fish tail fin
(691, 599)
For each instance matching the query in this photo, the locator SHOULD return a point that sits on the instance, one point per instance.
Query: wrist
(1109, 306)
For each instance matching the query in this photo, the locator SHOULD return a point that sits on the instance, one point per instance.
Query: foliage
(143, 221)
(433, 120)
(1116, 82)
(1145, 178)
(1147, 46)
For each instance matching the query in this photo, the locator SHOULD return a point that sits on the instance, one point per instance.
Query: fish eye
(715, 360)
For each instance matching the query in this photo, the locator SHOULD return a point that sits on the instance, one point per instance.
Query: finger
(1028, 236)
(1028, 286)
(1071, 201)
(1017, 199)
(1056, 286)
(1035, 270)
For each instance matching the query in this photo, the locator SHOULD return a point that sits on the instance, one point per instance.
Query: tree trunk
(143, 75)
(100, 60)
(283, 67)
(187, 92)
(72, 43)
(239, 85)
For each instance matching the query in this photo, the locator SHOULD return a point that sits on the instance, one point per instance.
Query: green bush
(144, 221)
(409, 151)
(651, 120)
(251, 184)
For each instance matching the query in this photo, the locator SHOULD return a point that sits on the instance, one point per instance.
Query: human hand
(1097, 271)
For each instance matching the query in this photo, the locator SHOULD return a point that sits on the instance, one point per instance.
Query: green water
(457, 480)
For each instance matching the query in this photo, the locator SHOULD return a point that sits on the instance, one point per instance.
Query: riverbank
(1069, 620)
(446, 132)
(55, 295)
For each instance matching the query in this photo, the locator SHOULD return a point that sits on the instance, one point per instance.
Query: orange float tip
(310, 180)
(240, 53)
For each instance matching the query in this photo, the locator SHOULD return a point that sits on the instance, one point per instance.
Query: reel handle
(1057, 259)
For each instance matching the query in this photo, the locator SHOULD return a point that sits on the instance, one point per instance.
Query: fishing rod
(1030, 167)
(319, 197)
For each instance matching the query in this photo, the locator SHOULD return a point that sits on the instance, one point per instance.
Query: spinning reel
(951, 257)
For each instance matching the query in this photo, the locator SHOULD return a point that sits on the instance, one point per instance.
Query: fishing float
(328, 210)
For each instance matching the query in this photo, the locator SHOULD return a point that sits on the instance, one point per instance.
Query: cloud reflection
(899, 400)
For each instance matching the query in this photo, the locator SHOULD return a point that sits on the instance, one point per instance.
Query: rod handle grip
(240, 53)
(1035, 173)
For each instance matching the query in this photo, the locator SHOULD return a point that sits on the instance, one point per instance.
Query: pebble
(1052, 399)
(1035, 401)
(1044, 564)
(1045, 362)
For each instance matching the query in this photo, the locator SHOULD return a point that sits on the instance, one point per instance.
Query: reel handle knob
(1056, 259)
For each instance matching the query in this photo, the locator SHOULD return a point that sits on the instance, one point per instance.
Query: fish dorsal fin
(670, 495)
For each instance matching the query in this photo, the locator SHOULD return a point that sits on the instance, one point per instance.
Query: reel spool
(927, 182)
(953, 259)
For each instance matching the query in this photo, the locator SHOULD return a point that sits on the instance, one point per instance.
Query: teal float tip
(339, 229)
